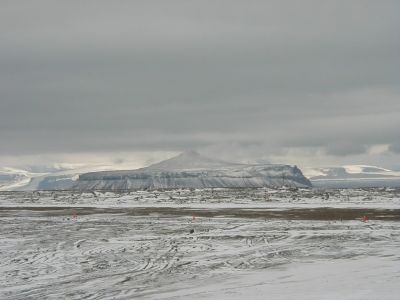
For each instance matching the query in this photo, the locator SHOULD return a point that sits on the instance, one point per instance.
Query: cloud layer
(268, 78)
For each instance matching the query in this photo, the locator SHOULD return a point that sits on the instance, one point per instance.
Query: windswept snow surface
(200, 244)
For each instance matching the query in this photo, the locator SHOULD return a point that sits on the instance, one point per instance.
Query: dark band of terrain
(322, 213)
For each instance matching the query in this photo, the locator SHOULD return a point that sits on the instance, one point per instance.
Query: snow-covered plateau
(187, 170)
(192, 170)
(255, 243)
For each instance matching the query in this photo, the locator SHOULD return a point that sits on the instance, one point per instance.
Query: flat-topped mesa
(192, 170)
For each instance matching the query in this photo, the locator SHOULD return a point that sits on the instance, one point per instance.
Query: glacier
(352, 176)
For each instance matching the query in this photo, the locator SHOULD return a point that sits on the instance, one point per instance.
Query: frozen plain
(200, 244)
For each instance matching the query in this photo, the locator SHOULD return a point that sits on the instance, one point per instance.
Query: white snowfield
(352, 176)
(200, 244)
(319, 280)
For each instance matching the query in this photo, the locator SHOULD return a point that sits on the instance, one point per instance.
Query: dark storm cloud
(162, 75)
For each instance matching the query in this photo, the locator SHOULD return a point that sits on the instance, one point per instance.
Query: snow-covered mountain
(352, 176)
(191, 170)
(187, 170)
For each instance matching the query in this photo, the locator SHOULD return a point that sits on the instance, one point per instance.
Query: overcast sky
(299, 82)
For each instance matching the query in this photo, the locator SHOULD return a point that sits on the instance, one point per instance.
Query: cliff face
(191, 170)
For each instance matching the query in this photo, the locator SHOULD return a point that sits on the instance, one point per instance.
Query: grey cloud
(345, 148)
(264, 76)
(395, 147)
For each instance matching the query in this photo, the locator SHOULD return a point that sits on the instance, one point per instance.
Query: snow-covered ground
(200, 244)
(210, 198)
(326, 279)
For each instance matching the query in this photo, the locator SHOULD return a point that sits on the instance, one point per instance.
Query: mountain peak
(189, 154)
(188, 160)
